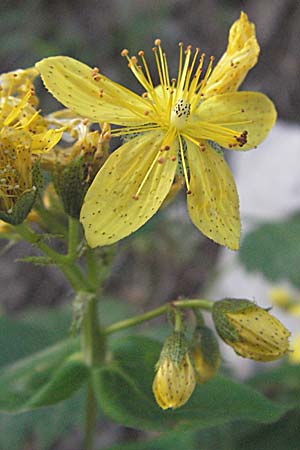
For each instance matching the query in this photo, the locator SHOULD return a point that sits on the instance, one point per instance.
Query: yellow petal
(222, 117)
(110, 212)
(213, 203)
(240, 56)
(294, 356)
(42, 142)
(95, 97)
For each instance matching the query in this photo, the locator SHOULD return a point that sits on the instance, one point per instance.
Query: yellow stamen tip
(157, 42)
(124, 52)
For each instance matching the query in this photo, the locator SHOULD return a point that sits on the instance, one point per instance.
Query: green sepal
(223, 325)
(21, 208)
(25, 203)
(37, 176)
(175, 347)
(71, 186)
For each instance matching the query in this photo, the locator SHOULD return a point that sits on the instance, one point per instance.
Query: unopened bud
(174, 381)
(250, 330)
(206, 354)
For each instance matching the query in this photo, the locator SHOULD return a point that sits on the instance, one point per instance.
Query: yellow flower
(23, 134)
(18, 83)
(286, 299)
(294, 355)
(177, 127)
(250, 330)
(175, 380)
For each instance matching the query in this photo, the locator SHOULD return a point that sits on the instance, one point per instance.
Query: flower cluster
(173, 135)
(250, 330)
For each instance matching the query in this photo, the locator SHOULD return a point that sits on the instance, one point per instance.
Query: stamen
(158, 66)
(180, 44)
(142, 55)
(95, 74)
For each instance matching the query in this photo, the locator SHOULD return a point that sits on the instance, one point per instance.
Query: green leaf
(285, 435)
(124, 392)
(282, 383)
(274, 250)
(168, 441)
(18, 338)
(44, 425)
(42, 379)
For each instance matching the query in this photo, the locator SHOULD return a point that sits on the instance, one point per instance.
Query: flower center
(180, 113)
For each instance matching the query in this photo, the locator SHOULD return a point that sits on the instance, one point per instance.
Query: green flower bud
(71, 185)
(250, 330)
(206, 354)
(174, 381)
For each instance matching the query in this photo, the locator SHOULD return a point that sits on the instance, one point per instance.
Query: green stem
(90, 418)
(73, 238)
(178, 320)
(92, 268)
(92, 339)
(71, 271)
(93, 347)
(196, 303)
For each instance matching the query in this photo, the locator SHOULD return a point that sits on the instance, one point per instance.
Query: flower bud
(206, 354)
(175, 380)
(71, 186)
(250, 330)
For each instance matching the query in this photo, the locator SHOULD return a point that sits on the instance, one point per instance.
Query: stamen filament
(141, 54)
(180, 64)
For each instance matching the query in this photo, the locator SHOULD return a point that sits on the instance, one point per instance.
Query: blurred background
(168, 258)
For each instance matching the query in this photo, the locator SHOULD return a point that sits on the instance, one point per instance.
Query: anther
(188, 192)
(124, 52)
(242, 139)
(145, 94)
(101, 93)
(146, 113)
(157, 42)
(173, 158)
(135, 197)
(161, 160)
(141, 53)
(202, 147)
(133, 59)
(165, 148)
(95, 74)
